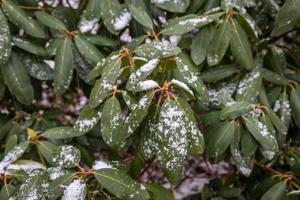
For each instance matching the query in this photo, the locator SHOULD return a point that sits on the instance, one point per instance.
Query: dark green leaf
(5, 43)
(62, 132)
(219, 138)
(104, 85)
(18, 16)
(140, 15)
(220, 43)
(240, 47)
(50, 21)
(66, 156)
(64, 64)
(17, 80)
(154, 50)
(121, 185)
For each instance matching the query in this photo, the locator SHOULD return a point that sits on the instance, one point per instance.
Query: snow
(194, 21)
(10, 157)
(28, 167)
(55, 172)
(84, 124)
(75, 191)
(172, 128)
(122, 21)
(148, 85)
(101, 165)
(182, 85)
(71, 3)
(126, 37)
(65, 156)
(143, 71)
(248, 80)
(88, 25)
(263, 128)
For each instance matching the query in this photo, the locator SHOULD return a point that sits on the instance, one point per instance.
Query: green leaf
(115, 16)
(195, 137)
(200, 43)
(5, 43)
(220, 43)
(38, 69)
(87, 119)
(129, 99)
(47, 150)
(187, 23)
(183, 87)
(104, 85)
(66, 156)
(249, 86)
(158, 192)
(260, 132)
(137, 115)
(62, 132)
(276, 192)
(219, 138)
(242, 162)
(90, 16)
(276, 121)
(189, 77)
(33, 187)
(240, 47)
(55, 187)
(18, 16)
(91, 54)
(63, 70)
(218, 73)
(121, 185)
(29, 46)
(17, 80)
(149, 137)
(50, 20)
(13, 155)
(7, 191)
(173, 6)
(295, 105)
(53, 45)
(156, 49)
(140, 74)
(248, 144)
(141, 16)
(287, 18)
(273, 77)
(235, 109)
(276, 59)
(173, 139)
(101, 40)
(27, 166)
(111, 122)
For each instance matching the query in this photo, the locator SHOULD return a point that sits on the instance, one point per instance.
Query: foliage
(166, 80)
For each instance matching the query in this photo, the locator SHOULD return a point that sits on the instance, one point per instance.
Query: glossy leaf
(220, 44)
(17, 80)
(5, 43)
(111, 122)
(64, 64)
(140, 15)
(240, 47)
(104, 85)
(219, 138)
(50, 20)
(18, 16)
(62, 132)
(121, 185)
